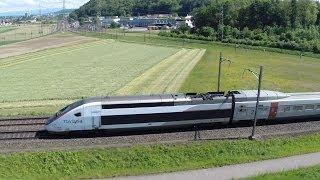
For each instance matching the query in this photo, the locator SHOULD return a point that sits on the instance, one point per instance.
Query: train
(175, 110)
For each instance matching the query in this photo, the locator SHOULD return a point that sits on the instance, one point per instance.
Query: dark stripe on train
(165, 117)
(136, 105)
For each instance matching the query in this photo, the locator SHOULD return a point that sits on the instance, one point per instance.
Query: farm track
(37, 139)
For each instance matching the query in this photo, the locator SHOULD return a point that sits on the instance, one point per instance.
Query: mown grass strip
(144, 159)
(303, 173)
(165, 77)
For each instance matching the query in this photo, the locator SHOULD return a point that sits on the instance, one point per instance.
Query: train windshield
(69, 108)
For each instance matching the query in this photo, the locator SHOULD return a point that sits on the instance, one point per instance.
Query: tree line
(289, 24)
(137, 7)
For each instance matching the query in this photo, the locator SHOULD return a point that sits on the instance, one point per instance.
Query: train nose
(50, 125)
(50, 120)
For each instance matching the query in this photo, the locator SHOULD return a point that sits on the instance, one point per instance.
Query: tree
(308, 12)
(294, 14)
(318, 16)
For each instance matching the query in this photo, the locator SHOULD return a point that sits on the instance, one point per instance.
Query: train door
(96, 118)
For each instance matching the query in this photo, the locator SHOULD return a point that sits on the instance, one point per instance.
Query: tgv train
(172, 110)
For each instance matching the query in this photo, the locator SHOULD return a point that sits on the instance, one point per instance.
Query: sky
(28, 5)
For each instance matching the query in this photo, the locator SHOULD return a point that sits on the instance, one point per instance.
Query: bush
(207, 32)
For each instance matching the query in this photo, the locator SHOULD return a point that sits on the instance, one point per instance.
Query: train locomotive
(173, 110)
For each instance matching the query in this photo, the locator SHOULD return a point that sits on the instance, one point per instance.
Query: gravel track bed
(22, 122)
(21, 128)
(174, 137)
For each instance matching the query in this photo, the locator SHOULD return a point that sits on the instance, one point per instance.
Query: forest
(288, 24)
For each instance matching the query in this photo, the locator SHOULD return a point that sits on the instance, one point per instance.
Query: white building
(188, 21)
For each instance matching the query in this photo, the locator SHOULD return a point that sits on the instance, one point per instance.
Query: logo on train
(78, 121)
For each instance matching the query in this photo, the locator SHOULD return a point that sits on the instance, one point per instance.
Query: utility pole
(40, 11)
(219, 72)
(259, 78)
(221, 60)
(222, 23)
(64, 4)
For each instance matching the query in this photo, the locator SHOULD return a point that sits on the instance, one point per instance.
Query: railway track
(23, 122)
(18, 135)
(23, 138)
(32, 128)
(21, 128)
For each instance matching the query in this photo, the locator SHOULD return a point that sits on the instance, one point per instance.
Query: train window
(77, 114)
(287, 108)
(318, 107)
(297, 108)
(309, 107)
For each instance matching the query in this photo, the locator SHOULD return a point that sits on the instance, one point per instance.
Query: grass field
(283, 72)
(303, 173)
(287, 73)
(144, 159)
(40, 83)
(93, 69)
(6, 29)
(165, 77)
(23, 32)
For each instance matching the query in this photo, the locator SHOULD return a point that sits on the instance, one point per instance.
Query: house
(106, 22)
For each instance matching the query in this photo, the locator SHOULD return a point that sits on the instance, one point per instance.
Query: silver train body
(162, 111)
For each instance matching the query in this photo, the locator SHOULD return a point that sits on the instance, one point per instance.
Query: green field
(93, 69)
(23, 32)
(40, 83)
(146, 159)
(34, 82)
(6, 29)
(303, 173)
(283, 71)
(47, 73)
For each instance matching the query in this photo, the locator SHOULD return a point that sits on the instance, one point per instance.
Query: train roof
(242, 95)
(251, 95)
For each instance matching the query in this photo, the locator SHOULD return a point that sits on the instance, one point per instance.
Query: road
(237, 171)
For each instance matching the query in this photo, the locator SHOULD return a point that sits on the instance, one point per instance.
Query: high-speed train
(172, 110)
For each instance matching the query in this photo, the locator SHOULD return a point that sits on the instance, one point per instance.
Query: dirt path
(240, 170)
(42, 43)
(165, 77)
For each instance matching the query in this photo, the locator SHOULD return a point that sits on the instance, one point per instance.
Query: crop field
(23, 32)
